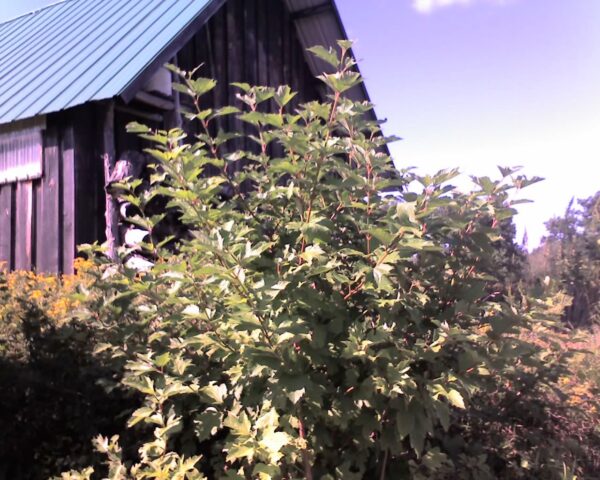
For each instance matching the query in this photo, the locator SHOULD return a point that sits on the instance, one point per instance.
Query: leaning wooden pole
(112, 209)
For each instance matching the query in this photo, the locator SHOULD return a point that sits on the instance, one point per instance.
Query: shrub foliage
(308, 325)
(53, 399)
(321, 317)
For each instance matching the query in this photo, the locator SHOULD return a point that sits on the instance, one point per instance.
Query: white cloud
(430, 6)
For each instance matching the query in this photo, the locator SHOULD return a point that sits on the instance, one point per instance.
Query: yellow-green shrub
(51, 400)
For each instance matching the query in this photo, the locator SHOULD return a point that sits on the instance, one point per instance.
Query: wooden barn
(72, 75)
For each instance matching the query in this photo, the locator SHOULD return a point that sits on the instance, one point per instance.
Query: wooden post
(112, 210)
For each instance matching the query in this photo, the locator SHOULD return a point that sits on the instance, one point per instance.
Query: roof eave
(168, 53)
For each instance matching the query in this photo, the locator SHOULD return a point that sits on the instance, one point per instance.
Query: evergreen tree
(570, 256)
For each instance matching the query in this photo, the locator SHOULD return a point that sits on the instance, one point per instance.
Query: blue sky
(480, 83)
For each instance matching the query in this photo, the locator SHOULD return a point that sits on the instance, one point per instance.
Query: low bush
(52, 403)
(539, 419)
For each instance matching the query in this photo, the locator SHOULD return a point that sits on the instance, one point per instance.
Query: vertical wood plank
(87, 161)
(250, 56)
(201, 55)
(219, 41)
(186, 57)
(24, 226)
(286, 57)
(36, 227)
(275, 58)
(275, 55)
(109, 159)
(262, 33)
(67, 150)
(235, 35)
(48, 207)
(235, 69)
(6, 231)
(298, 71)
(250, 43)
(292, 61)
(207, 39)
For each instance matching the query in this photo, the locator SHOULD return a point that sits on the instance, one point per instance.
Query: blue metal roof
(78, 51)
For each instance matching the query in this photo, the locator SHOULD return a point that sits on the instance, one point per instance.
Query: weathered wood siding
(252, 41)
(88, 209)
(30, 230)
(42, 221)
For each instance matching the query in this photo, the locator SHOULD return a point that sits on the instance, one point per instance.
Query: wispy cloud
(430, 6)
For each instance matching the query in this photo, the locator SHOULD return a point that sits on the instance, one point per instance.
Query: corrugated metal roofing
(78, 51)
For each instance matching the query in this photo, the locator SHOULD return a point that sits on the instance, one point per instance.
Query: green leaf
(418, 433)
(443, 413)
(340, 82)
(240, 425)
(382, 235)
(240, 451)
(162, 360)
(144, 385)
(263, 94)
(266, 472)
(311, 253)
(135, 127)
(508, 171)
(284, 95)
(501, 324)
(406, 213)
(207, 424)
(214, 393)
(258, 118)
(404, 422)
(268, 421)
(246, 87)
(345, 44)
(315, 232)
(327, 55)
(380, 273)
(200, 86)
(275, 441)
(456, 399)
(225, 111)
(204, 114)
(296, 395)
(139, 415)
